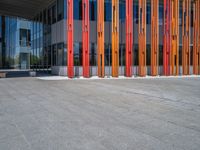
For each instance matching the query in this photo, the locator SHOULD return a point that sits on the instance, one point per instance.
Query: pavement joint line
(159, 97)
(155, 116)
(165, 99)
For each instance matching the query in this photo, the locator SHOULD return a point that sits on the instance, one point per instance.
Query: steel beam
(70, 39)
(196, 37)
(142, 37)
(115, 38)
(186, 37)
(129, 37)
(100, 38)
(85, 37)
(166, 38)
(154, 37)
(174, 58)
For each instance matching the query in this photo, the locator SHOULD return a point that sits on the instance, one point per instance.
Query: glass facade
(15, 43)
(49, 46)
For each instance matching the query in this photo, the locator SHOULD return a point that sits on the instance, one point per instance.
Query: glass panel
(136, 14)
(49, 17)
(54, 14)
(108, 55)
(60, 9)
(108, 10)
(161, 14)
(148, 14)
(77, 9)
(122, 53)
(25, 37)
(93, 10)
(93, 54)
(54, 55)
(77, 54)
(122, 11)
(60, 54)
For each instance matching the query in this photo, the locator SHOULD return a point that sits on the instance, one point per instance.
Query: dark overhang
(23, 8)
(29, 8)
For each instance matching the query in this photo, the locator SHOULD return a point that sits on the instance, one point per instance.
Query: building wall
(54, 52)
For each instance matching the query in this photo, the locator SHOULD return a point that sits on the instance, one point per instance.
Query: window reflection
(60, 9)
(93, 54)
(77, 9)
(107, 10)
(78, 54)
(25, 38)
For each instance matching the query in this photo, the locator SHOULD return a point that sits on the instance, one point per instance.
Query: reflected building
(15, 43)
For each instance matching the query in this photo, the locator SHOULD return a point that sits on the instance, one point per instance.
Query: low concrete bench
(2, 74)
(32, 73)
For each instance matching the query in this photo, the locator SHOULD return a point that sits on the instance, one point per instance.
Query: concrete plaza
(153, 114)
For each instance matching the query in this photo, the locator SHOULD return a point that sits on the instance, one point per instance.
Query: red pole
(129, 37)
(85, 34)
(166, 38)
(70, 40)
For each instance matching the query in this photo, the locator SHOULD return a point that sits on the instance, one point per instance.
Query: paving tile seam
(187, 127)
(164, 121)
(171, 121)
(163, 98)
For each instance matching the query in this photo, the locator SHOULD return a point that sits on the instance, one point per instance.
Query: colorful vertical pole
(196, 37)
(174, 59)
(154, 37)
(186, 37)
(70, 41)
(115, 38)
(199, 36)
(166, 38)
(142, 37)
(85, 34)
(129, 37)
(100, 37)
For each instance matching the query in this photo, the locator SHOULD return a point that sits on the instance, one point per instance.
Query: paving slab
(123, 114)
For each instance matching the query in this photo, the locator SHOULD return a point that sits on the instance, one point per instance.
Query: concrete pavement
(100, 114)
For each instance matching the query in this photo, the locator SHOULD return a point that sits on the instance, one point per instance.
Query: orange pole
(174, 59)
(186, 37)
(142, 37)
(70, 39)
(196, 37)
(199, 35)
(129, 37)
(100, 37)
(115, 38)
(166, 38)
(154, 37)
